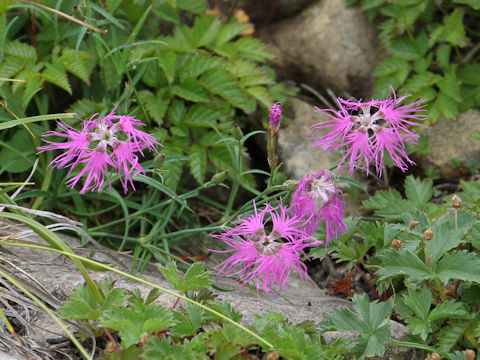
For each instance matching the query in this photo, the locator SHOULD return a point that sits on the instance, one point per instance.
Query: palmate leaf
(389, 204)
(419, 192)
(196, 277)
(133, 322)
(370, 319)
(187, 324)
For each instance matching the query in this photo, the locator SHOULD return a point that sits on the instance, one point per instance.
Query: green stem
(148, 283)
(436, 281)
(419, 346)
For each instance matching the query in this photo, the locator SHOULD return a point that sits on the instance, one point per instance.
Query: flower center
(265, 244)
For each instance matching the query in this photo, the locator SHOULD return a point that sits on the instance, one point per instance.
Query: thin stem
(66, 16)
(367, 280)
(437, 284)
(145, 282)
(419, 346)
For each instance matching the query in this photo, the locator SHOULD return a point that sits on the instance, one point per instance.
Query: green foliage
(370, 319)
(429, 44)
(196, 277)
(435, 281)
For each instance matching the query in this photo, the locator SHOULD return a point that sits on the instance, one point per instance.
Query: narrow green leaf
(13, 123)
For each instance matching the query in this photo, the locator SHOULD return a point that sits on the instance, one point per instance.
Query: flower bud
(469, 354)
(413, 224)
(275, 114)
(456, 202)
(237, 132)
(290, 185)
(428, 234)
(220, 177)
(158, 161)
(397, 243)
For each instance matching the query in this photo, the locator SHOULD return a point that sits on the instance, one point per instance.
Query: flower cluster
(270, 255)
(367, 129)
(103, 142)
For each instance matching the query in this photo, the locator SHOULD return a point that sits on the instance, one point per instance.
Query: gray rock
(294, 148)
(55, 277)
(327, 45)
(452, 139)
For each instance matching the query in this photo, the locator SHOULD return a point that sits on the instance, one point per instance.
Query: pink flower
(262, 254)
(317, 200)
(367, 129)
(275, 114)
(102, 143)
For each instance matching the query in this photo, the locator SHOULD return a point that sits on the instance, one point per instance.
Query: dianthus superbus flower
(316, 200)
(366, 130)
(102, 143)
(265, 246)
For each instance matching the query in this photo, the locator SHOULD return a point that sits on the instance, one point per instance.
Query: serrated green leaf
(404, 48)
(156, 105)
(191, 90)
(198, 64)
(33, 85)
(21, 50)
(443, 54)
(229, 30)
(220, 157)
(460, 265)
(399, 67)
(205, 29)
(253, 49)
(261, 94)
(403, 263)
(167, 61)
(389, 204)
(419, 192)
(188, 324)
(450, 335)
(57, 77)
(408, 13)
(75, 63)
(196, 277)
(446, 106)
(449, 84)
(444, 239)
(369, 318)
(420, 81)
(198, 162)
(10, 66)
(448, 309)
(419, 301)
(202, 115)
(454, 30)
(84, 108)
(132, 323)
(221, 83)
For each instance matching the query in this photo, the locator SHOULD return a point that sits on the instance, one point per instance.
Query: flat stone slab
(56, 276)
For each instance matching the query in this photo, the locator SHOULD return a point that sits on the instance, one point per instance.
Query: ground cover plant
(152, 156)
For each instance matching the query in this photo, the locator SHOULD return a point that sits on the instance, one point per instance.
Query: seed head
(397, 243)
(456, 202)
(433, 356)
(428, 234)
(413, 224)
(469, 354)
